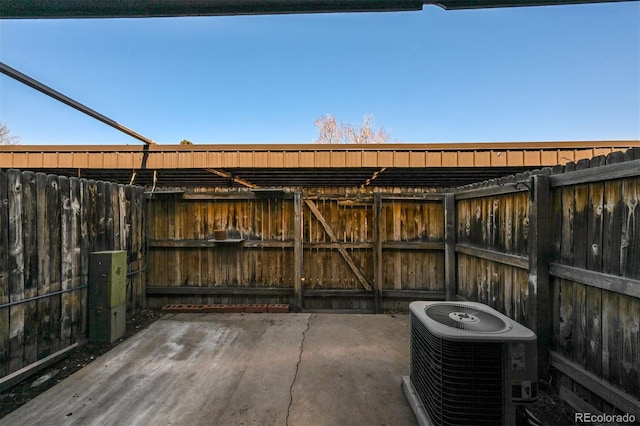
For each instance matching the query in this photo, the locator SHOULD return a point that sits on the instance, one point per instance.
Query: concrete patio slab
(240, 369)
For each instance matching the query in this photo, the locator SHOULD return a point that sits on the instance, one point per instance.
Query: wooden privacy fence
(559, 251)
(48, 227)
(332, 248)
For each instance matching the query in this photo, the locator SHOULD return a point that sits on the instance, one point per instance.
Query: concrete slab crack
(295, 376)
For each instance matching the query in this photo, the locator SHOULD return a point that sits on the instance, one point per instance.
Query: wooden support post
(377, 254)
(298, 252)
(354, 268)
(450, 246)
(539, 315)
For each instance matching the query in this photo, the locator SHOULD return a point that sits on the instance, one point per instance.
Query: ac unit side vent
(459, 383)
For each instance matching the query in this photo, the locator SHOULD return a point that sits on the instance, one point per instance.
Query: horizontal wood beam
(578, 404)
(611, 171)
(166, 192)
(286, 291)
(521, 262)
(338, 245)
(605, 390)
(507, 188)
(219, 291)
(418, 197)
(414, 294)
(231, 196)
(341, 198)
(196, 243)
(18, 376)
(267, 244)
(219, 196)
(413, 245)
(614, 283)
(391, 294)
(336, 292)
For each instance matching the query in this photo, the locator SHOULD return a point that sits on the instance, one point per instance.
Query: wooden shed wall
(48, 227)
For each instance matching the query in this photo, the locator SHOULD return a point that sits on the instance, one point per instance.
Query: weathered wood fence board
(4, 274)
(592, 264)
(596, 279)
(48, 226)
(30, 261)
(492, 246)
(337, 243)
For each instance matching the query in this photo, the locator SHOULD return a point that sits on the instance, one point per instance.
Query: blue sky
(506, 75)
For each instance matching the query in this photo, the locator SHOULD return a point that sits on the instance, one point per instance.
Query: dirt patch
(549, 410)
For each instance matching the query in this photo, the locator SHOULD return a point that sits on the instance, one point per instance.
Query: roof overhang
(165, 8)
(304, 165)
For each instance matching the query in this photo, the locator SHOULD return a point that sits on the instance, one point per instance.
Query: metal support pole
(22, 78)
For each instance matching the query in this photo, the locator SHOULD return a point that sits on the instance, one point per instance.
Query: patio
(262, 369)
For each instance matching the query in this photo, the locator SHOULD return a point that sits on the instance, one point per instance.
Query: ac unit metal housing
(470, 364)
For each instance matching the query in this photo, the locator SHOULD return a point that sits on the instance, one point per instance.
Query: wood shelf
(268, 192)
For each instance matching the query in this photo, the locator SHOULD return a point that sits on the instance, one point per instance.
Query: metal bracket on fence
(526, 185)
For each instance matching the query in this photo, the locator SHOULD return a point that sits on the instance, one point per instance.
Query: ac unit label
(517, 356)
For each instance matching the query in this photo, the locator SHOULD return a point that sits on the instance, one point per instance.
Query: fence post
(297, 250)
(539, 314)
(450, 246)
(377, 254)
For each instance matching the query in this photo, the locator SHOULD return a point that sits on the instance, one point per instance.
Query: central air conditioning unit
(470, 365)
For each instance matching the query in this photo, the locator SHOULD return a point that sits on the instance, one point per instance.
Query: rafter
(233, 178)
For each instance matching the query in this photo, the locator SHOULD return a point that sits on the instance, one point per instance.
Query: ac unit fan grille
(466, 318)
(459, 383)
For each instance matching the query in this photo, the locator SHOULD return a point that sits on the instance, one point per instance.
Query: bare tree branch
(6, 138)
(331, 131)
(328, 129)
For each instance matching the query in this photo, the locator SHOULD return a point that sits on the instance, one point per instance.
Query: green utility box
(107, 295)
